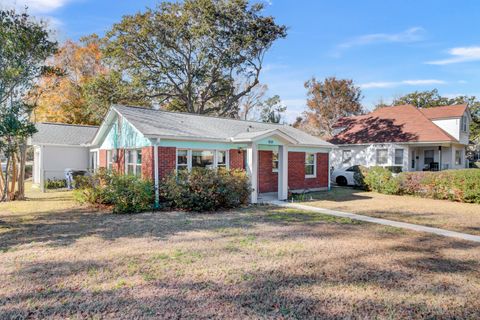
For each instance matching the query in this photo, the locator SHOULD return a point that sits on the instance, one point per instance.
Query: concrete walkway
(386, 222)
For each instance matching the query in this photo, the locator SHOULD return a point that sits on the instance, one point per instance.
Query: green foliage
(55, 183)
(205, 189)
(272, 110)
(125, 193)
(188, 54)
(454, 185)
(380, 179)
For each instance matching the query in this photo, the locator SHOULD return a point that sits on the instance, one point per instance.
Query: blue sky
(389, 48)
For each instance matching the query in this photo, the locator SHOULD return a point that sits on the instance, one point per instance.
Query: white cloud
(459, 54)
(35, 6)
(410, 35)
(391, 84)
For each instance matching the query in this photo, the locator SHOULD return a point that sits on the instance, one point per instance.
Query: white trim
(215, 157)
(155, 170)
(252, 171)
(134, 163)
(314, 175)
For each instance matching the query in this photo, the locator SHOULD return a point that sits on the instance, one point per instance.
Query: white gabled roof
(176, 125)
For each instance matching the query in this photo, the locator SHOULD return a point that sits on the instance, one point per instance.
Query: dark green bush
(55, 183)
(125, 193)
(205, 189)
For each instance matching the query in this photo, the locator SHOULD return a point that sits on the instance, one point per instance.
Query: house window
(346, 156)
(310, 165)
(399, 156)
(221, 159)
(274, 161)
(382, 156)
(458, 157)
(464, 123)
(202, 159)
(429, 157)
(182, 160)
(109, 160)
(133, 161)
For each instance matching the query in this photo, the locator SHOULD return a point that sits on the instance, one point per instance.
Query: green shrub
(380, 179)
(55, 183)
(125, 193)
(205, 189)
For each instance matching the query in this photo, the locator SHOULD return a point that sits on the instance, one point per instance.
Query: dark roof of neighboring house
(455, 111)
(63, 134)
(404, 123)
(151, 123)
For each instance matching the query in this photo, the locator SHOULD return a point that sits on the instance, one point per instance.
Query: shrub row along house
(405, 138)
(153, 143)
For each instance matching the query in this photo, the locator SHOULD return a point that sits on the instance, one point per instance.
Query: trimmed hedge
(205, 189)
(455, 185)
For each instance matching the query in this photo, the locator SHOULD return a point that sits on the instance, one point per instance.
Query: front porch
(436, 157)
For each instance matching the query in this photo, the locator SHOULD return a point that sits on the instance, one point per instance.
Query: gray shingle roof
(152, 122)
(65, 134)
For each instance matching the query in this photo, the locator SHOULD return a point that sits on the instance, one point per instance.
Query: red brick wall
(267, 180)
(236, 159)
(296, 171)
(167, 160)
(147, 163)
(102, 158)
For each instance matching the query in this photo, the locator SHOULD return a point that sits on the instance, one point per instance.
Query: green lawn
(59, 260)
(462, 217)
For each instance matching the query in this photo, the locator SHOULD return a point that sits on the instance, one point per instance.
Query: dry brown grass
(462, 217)
(259, 262)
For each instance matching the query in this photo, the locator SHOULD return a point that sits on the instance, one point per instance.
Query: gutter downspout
(329, 173)
(155, 172)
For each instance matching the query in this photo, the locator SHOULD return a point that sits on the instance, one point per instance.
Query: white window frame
(137, 167)
(395, 156)
(386, 157)
(215, 157)
(314, 175)
(346, 161)
(273, 161)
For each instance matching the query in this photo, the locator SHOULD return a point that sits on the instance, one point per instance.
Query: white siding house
(58, 147)
(405, 137)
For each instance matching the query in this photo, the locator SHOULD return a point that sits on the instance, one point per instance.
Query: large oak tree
(189, 54)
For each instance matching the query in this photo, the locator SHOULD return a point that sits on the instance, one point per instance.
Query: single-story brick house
(153, 143)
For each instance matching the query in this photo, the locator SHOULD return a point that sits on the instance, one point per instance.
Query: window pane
(382, 156)
(398, 156)
(202, 159)
(275, 161)
(309, 158)
(428, 156)
(222, 158)
(139, 156)
(182, 157)
(309, 169)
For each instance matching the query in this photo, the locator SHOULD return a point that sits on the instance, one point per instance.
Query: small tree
(24, 47)
(328, 101)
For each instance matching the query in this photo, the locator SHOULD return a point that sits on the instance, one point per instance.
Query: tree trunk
(11, 194)
(5, 186)
(21, 174)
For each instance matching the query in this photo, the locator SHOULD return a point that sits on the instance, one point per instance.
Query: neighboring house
(153, 143)
(405, 137)
(57, 147)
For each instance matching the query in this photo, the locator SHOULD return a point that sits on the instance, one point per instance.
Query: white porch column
(252, 170)
(155, 173)
(282, 172)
